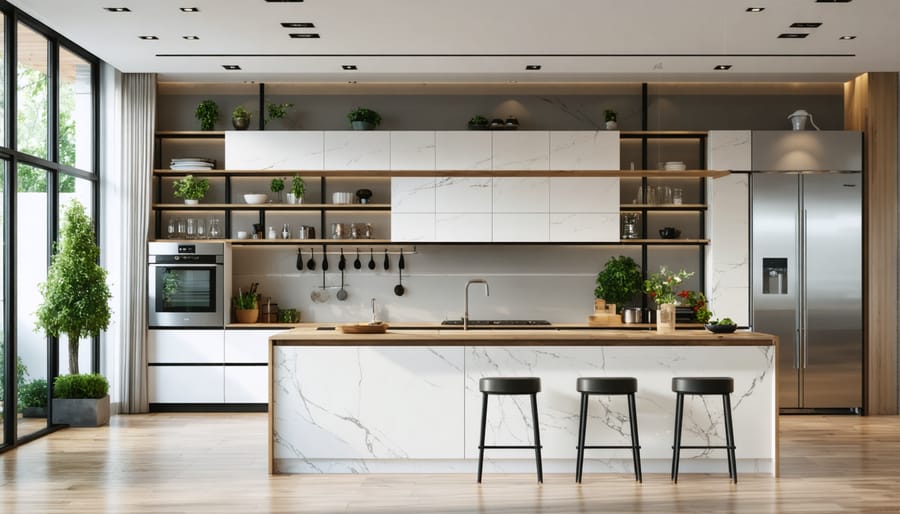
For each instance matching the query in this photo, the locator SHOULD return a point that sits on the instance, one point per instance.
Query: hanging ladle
(311, 263)
(357, 264)
(399, 289)
(299, 259)
(342, 293)
(371, 259)
(342, 262)
(324, 261)
(387, 261)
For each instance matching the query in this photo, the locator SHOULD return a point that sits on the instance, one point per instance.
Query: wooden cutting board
(364, 328)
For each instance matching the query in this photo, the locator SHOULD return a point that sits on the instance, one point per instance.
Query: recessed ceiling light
(117, 9)
(722, 67)
(533, 67)
(348, 67)
(298, 25)
(231, 67)
(833, 1)
(311, 35)
(149, 38)
(792, 35)
(806, 25)
(189, 9)
(756, 9)
(190, 38)
(283, 1)
(847, 38)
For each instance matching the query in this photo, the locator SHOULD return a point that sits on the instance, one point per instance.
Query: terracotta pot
(246, 315)
(665, 318)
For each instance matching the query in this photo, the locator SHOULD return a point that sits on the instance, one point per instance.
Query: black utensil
(299, 259)
(324, 261)
(357, 264)
(342, 293)
(311, 263)
(402, 262)
(342, 262)
(371, 259)
(387, 261)
(399, 289)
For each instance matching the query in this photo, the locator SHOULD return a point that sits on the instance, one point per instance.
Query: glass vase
(665, 318)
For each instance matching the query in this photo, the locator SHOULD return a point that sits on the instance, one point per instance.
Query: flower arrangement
(697, 302)
(663, 286)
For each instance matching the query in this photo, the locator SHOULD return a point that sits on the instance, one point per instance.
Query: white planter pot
(293, 199)
(191, 202)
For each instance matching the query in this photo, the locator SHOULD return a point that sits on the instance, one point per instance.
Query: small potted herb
(208, 114)
(246, 305)
(191, 189)
(298, 189)
(618, 281)
(276, 111)
(364, 119)
(478, 122)
(277, 186)
(240, 118)
(609, 116)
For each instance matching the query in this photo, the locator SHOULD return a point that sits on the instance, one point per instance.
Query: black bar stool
(510, 386)
(607, 386)
(722, 386)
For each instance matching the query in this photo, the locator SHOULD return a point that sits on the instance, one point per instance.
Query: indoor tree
(75, 295)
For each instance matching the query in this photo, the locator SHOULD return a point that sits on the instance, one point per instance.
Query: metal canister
(631, 315)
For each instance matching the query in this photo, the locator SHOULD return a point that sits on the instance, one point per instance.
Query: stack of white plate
(191, 163)
(675, 166)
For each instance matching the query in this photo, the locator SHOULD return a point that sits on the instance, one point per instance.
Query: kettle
(798, 120)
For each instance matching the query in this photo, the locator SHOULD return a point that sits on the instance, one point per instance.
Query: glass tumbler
(677, 196)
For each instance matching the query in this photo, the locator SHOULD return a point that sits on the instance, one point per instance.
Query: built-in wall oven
(186, 282)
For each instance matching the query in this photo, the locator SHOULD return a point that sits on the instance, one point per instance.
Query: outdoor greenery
(663, 286)
(75, 295)
(208, 114)
(89, 385)
(298, 188)
(21, 373)
(365, 115)
(190, 188)
(619, 281)
(33, 394)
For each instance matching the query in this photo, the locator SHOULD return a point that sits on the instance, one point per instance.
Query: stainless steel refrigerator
(807, 285)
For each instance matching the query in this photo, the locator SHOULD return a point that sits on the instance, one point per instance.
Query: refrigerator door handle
(804, 310)
(797, 338)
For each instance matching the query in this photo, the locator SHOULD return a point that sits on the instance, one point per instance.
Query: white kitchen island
(407, 401)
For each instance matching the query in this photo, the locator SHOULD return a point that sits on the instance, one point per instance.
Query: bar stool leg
(537, 438)
(729, 438)
(635, 443)
(484, 405)
(676, 449)
(582, 429)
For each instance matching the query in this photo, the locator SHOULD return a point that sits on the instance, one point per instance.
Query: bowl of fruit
(722, 326)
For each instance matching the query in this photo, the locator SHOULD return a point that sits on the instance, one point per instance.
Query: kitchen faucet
(487, 292)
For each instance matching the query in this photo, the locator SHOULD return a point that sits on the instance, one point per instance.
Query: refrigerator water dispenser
(774, 275)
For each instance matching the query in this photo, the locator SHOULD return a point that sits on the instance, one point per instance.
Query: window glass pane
(31, 91)
(75, 111)
(31, 262)
(73, 188)
(3, 385)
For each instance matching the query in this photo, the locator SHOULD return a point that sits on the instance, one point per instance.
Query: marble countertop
(309, 336)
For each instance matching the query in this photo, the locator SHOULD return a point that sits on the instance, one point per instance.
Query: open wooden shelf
(450, 173)
(276, 206)
(628, 207)
(660, 241)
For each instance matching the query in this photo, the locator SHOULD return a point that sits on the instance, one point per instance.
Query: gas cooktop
(482, 322)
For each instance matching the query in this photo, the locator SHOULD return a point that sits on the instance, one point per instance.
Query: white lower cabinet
(186, 384)
(185, 346)
(246, 384)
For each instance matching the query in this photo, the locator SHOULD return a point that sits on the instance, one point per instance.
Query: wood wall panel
(870, 105)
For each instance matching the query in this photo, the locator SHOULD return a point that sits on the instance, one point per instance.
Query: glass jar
(677, 196)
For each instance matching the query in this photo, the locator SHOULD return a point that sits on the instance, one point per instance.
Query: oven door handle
(185, 265)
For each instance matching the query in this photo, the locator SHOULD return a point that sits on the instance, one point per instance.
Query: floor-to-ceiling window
(48, 151)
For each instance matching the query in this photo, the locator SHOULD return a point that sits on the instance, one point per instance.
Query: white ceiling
(483, 40)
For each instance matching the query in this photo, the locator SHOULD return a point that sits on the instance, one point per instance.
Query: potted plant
(478, 122)
(696, 302)
(240, 118)
(277, 186)
(33, 399)
(364, 119)
(75, 295)
(191, 189)
(208, 114)
(618, 281)
(609, 116)
(81, 400)
(246, 305)
(663, 289)
(298, 189)
(276, 111)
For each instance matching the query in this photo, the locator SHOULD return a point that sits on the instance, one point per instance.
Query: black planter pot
(241, 123)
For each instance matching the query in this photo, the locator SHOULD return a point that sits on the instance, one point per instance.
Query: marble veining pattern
(357, 150)
(274, 150)
(584, 150)
(728, 261)
(576, 227)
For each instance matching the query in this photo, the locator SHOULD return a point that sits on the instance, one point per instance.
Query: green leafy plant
(697, 302)
(21, 372)
(245, 301)
(609, 115)
(276, 111)
(33, 394)
(479, 121)
(277, 185)
(240, 112)
(191, 188)
(75, 295)
(298, 188)
(723, 321)
(208, 114)
(663, 286)
(364, 115)
(89, 385)
(619, 281)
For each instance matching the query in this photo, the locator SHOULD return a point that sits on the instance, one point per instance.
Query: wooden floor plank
(217, 463)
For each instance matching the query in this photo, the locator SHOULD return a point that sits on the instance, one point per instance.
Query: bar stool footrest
(508, 447)
(684, 447)
(611, 447)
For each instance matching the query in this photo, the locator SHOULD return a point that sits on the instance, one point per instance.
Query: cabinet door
(516, 194)
(412, 150)
(462, 150)
(529, 150)
(357, 150)
(463, 227)
(584, 194)
(520, 227)
(274, 150)
(584, 227)
(185, 346)
(410, 227)
(584, 150)
(186, 384)
(246, 384)
(248, 345)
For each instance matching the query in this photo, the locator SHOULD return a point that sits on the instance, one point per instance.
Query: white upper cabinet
(412, 150)
(729, 150)
(584, 150)
(274, 150)
(463, 194)
(463, 150)
(527, 150)
(357, 150)
(584, 194)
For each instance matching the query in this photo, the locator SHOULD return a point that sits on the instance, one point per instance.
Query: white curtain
(136, 124)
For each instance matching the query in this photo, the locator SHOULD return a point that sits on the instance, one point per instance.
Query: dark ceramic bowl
(721, 329)
(669, 233)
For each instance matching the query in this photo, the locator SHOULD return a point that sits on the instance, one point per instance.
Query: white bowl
(255, 198)
(342, 197)
(242, 234)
